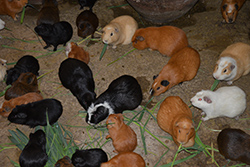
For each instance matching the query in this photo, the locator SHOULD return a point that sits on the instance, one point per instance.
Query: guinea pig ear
(224, 7)
(236, 6)
(164, 83)
(155, 76)
(116, 30)
(120, 116)
(139, 38)
(232, 67)
(207, 99)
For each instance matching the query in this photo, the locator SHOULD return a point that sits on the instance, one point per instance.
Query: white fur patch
(68, 49)
(230, 8)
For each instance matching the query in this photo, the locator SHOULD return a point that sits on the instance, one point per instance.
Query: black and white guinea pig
(124, 93)
(88, 3)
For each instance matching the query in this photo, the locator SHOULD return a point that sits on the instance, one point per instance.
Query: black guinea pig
(76, 76)
(234, 144)
(89, 158)
(88, 3)
(34, 114)
(86, 23)
(124, 93)
(34, 153)
(58, 33)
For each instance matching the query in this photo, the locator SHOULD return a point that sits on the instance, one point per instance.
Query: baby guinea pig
(119, 31)
(3, 69)
(230, 9)
(76, 52)
(64, 162)
(228, 101)
(233, 63)
(12, 7)
(182, 66)
(49, 14)
(123, 137)
(89, 3)
(2, 24)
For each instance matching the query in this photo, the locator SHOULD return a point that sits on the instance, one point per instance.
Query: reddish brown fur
(11, 8)
(64, 162)
(79, 53)
(230, 13)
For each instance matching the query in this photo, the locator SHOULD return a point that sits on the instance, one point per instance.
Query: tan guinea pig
(76, 52)
(182, 66)
(166, 39)
(123, 137)
(119, 31)
(175, 118)
(230, 9)
(12, 7)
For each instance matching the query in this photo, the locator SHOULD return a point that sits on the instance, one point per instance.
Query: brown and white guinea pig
(123, 137)
(76, 52)
(119, 31)
(182, 66)
(126, 159)
(175, 118)
(49, 14)
(12, 7)
(233, 63)
(166, 39)
(64, 162)
(3, 69)
(234, 144)
(230, 9)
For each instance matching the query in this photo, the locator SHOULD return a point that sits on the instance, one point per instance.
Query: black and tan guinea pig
(88, 3)
(34, 153)
(49, 14)
(64, 162)
(56, 34)
(123, 93)
(12, 7)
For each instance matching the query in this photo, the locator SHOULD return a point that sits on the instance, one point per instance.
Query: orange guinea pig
(76, 52)
(126, 159)
(230, 8)
(182, 66)
(175, 118)
(12, 7)
(64, 162)
(166, 39)
(123, 137)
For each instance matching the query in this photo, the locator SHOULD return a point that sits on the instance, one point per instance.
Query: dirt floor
(205, 33)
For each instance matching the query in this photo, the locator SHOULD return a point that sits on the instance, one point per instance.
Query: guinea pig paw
(204, 118)
(114, 46)
(203, 113)
(237, 118)
(229, 82)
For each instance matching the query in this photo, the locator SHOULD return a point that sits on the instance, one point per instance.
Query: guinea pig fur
(230, 9)
(3, 69)
(123, 137)
(88, 3)
(76, 52)
(119, 31)
(123, 93)
(233, 63)
(56, 34)
(234, 144)
(2, 24)
(49, 14)
(168, 40)
(182, 66)
(12, 7)
(76, 76)
(34, 114)
(34, 153)
(175, 118)
(89, 158)
(64, 162)
(228, 101)
(126, 159)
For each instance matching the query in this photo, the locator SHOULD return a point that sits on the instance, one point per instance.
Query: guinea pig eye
(199, 99)
(158, 88)
(225, 71)
(111, 34)
(179, 131)
(115, 117)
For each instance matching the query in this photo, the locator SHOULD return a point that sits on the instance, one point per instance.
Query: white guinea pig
(3, 69)
(2, 24)
(228, 101)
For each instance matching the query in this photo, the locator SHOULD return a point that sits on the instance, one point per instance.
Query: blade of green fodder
(22, 40)
(9, 47)
(179, 161)
(238, 165)
(175, 156)
(18, 139)
(118, 6)
(3, 92)
(121, 57)
(145, 108)
(216, 82)
(14, 163)
(103, 51)
(22, 16)
(156, 165)
(142, 129)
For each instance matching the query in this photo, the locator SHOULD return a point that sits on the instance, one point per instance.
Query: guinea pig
(125, 159)
(12, 7)
(233, 63)
(88, 3)
(9, 105)
(76, 52)
(182, 66)
(76, 76)
(228, 101)
(230, 9)
(49, 14)
(2, 24)
(123, 137)
(34, 114)
(86, 23)
(168, 40)
(123, 93)
(175, 118)
(234, 144)
(3, 69)
(58, 33)
(89, 158)
(34, 152)
(64, 162)
(119, 31)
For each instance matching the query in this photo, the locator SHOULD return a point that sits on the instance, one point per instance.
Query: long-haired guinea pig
(25, 64)
(34, 114)
(233, 63)
(3, 69)
(49, 14)
(182, 66)
(234, 144)
(175, 118)
(76, 76)
(89, 158)
(123, 93)
(86, 23)
(34, 152)
(88, 3)
(126, 159)
(2, 24)
(9, 105)
(123, 136)
(76, 52)
(228, 101)
(168, 40)
(119, 31)
(64, 162)
(56, 34)
(230, 9)
(12, 7)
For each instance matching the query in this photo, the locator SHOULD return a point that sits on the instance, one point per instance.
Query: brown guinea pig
(234, 144)
(166, 39)
(12, 7)
(175, 118)
(64, 162)
(123, 137)
(230, 9)
(126, 159)
(76, 52)
(182, 66)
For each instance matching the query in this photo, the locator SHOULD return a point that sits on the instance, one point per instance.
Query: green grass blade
(103, 51)
(216, 82)
(121, 56)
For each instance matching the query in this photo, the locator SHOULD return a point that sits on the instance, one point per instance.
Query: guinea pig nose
(105, 41)
(230, 20)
